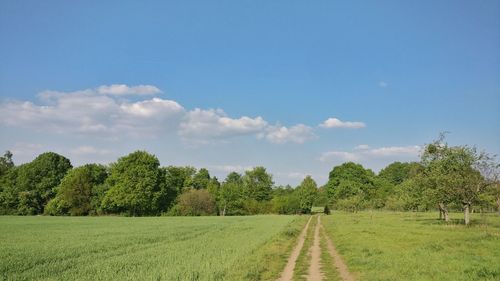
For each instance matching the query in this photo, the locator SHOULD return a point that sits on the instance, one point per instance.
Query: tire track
(287, 273)
(315, 273)
(338, 262)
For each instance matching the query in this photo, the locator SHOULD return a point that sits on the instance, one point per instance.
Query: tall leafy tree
(350, 179)
(6, 163)
(137, 186)
(230, 195)
(6, 175)
(307, 192)
(234, 177)
(258, 184)
(176, 180)
(201, 179)
(77, 189)
(35, 182)
(398, 172)
(456, 174)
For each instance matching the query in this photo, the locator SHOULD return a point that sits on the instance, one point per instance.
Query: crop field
(374, 245)
(416, 246)
(147, 248)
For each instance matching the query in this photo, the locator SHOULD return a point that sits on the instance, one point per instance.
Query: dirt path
(314, 273)
(342, 269)
(287, 273)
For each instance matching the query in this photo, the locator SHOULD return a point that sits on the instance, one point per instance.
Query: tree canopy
(75, 195)
(136, 186)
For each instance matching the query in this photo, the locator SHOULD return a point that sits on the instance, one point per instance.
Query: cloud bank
(106, 112)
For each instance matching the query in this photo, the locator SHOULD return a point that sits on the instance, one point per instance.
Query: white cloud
(297, 134)
(123, 90)
(204, 125)
(363, 152)
(88, 112)
(103, 112)
(155, 107)
(337, 123)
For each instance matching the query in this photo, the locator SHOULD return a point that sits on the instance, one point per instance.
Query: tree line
(136, 185)
(446, 178)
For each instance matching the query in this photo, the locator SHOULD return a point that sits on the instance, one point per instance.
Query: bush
(195, 203)
(326, 210)
(57, 207)
(351, 204)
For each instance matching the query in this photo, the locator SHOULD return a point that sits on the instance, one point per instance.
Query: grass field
(416, 246)
(375, 246)
(155, 248)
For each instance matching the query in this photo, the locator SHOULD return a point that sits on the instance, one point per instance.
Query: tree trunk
(224, 210)
(466, 212)
(443, 210)
(498, 205)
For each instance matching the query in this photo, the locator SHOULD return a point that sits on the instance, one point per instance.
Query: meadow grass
(416, 246)
(329, 270)
(147, 248)
(268, 261)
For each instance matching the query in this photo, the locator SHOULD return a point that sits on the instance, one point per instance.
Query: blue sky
(229, 85)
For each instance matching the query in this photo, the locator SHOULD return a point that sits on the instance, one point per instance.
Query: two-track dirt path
(315, 253)
(287, 273)
(315, 273)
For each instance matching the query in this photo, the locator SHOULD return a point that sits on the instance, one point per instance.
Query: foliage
(201, 179)
(176, 179)
(258, 184)
(397, 172)
(76, 191)
(194, 202)
(287, 203)
(307, 192)
(6, 163)
(449, 177)
(322, 197)
(350, 183)
(230, 197)
(137, 186)
(458, 174)
(30, 186)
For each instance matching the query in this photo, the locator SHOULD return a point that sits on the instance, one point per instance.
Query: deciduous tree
(137, 186)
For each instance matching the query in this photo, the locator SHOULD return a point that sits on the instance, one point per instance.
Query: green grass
(154, 248)
(267, 262)
(416, 246)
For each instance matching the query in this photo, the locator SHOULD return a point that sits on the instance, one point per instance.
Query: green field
(416, 246)
(154, 248)
(374, 245)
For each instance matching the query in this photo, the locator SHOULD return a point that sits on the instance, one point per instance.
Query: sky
(295, 86)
